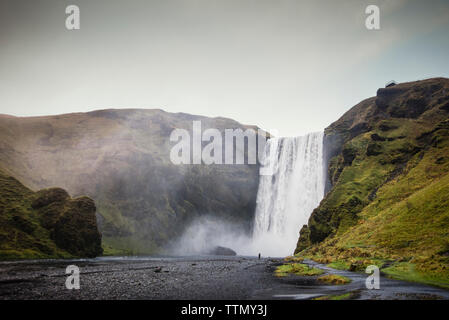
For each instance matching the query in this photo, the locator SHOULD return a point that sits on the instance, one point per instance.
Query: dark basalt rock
(390, 91)
(222, 251)
(359, 129)
(72, 222)
(385, 127)
(445, 106)
(23, 224)
(376, 137)
(373, 149)
(45, 224)
(48, 196)
(349, 155)
(76, 230)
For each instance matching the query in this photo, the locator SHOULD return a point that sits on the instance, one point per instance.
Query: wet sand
(214, 278)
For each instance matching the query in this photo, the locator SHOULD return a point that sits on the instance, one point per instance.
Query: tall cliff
(388, 194)
(121, 158)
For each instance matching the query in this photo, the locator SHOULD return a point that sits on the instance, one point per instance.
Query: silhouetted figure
(259, 256)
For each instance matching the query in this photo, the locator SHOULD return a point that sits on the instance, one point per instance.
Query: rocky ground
(186, 278)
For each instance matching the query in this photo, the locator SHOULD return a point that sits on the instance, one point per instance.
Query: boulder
(222, 251)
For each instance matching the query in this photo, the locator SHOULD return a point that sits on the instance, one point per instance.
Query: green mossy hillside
(389, 201)
(45, 224)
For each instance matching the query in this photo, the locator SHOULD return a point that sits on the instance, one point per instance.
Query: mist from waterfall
(286, 199)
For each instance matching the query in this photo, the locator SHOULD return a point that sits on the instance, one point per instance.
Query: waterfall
(286, 199)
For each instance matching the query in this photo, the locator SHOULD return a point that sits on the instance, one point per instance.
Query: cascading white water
(286, 199)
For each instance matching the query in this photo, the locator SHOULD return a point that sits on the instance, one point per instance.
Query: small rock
(222, 251)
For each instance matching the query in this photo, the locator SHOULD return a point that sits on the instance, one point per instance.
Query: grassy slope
(390, 206)
(57, 228)
(21, 234)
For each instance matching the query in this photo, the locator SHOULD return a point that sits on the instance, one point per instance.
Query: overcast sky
(294, 66)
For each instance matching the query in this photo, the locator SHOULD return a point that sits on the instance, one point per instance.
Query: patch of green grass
(334, 279)
(339, 265)
(407, 271)
(345, 296)
(297, 269)
(294, 259)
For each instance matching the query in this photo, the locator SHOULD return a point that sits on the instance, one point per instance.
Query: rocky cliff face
(121, 159)
(388, 196)
(45, 224)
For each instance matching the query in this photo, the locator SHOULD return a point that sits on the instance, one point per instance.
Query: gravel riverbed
(213, 278)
